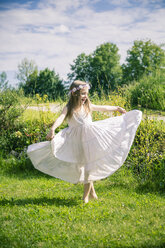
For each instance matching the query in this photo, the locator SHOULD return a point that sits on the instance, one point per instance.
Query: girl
(85, 151)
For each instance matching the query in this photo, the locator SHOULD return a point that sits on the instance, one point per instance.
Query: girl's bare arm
(57, 123)
(107, 108)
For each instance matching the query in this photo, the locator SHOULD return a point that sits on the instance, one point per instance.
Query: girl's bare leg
(92, 192)
(87, 189)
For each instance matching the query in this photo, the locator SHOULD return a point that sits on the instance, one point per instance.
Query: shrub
(10, 109)
(146, 157)
(31, 127)
(149, 92)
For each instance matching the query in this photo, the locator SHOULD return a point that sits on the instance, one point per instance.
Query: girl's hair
(75, 98)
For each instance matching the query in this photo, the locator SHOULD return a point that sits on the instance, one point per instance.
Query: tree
(3, 81)
(105, 67)
(25, 69)
(143, 58)
(47, 82)
(80, 68)
(30, 85)
(101, 68)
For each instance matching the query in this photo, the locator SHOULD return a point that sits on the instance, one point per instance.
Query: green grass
(40, 211)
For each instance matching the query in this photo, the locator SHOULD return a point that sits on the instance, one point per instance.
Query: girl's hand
(50, 135)
(121, 110)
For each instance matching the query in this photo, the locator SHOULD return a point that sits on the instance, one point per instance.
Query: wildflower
(18, 134)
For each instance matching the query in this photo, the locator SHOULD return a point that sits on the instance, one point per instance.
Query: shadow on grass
(57, 201)
(150, 188)
(5, 242)
(141, 189)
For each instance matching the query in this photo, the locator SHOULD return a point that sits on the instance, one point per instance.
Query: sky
(53, 33)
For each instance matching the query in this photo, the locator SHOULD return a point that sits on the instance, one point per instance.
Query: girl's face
(84, 94)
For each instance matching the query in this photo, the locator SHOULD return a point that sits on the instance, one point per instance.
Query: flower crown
(79, 87)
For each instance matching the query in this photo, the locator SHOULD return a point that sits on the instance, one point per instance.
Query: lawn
(40, 211)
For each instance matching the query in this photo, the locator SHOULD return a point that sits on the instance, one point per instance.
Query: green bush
(147, 157)
(10, 110)
(31, 127)
(149, 92)
(15, 132)
(15, 162)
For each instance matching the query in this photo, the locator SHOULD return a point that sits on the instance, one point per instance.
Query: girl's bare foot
(87, 188)
(93, 196)
(86, 199)
(92, 192)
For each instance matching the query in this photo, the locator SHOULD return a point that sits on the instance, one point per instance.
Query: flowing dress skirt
(87, 150)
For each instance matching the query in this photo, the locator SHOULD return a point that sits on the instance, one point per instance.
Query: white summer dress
(87, 150)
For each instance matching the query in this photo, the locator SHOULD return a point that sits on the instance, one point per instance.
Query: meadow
(41, 211)
(37, 210)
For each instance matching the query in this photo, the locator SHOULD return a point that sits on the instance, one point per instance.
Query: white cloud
(57, 31)
(63, 29)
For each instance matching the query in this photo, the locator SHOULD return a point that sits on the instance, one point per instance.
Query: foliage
(101, 68)
(80, 69)
(3, 81)
(11, 109)
(15, 163)
(106, 70)
(147, 155)
(31, 127)
(149, 92)
(30, 85)
(25, 69)
(46, 83)
(143, 58)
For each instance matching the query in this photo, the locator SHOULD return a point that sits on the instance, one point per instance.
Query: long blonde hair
(74, 102)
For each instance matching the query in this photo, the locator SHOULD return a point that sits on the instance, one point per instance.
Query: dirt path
(58, 107)
(52, 107)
